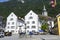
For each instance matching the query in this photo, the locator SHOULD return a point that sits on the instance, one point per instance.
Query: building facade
(21, 25)
(31, 22)
(50, 23)
(11, 24)
(58, 20)
(1, 21)
(2, 25)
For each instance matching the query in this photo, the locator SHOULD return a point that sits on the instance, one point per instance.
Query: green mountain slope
(21, 9)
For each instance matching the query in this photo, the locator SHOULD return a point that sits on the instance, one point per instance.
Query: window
(8, 23)
(30, 17)
(27, 26)
(33, 22)
(33, 27)
(8, 27)
(59, 19)
(30, 13)
(11, 15)
(33, 30)
(12, 27)
(16, 27)
(11, 19)
(16, 31)
(12, 22)
(27, 30)
(27, 22)
(8, 30)
(12, 30)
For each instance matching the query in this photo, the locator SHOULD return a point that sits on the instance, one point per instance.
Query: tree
(45, 27)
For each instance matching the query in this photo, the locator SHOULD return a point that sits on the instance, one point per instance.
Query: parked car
(41, 32)
(33, 33)
(1, 34)
(8, 33)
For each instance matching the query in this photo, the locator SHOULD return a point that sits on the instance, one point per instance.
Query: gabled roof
(31, 12)
(12, 13)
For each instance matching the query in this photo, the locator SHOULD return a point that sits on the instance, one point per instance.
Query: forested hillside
(21, 9)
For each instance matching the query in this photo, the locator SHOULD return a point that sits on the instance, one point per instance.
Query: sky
(4, 0)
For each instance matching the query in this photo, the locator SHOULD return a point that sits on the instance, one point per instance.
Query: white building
(44, 13)
(40, 24)
(31, 22)
(50, 23)
(11, 24)
(21, 24)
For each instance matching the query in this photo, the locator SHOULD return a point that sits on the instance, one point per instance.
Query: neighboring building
(50, 23)
(11, 24)
(50, 20)
(1, 23)
(31, 22)
(58, 20)
(39, 24)
(21, 24)
(44, 13)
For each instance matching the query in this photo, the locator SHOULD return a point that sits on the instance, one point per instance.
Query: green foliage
(21, 9)
(44, 27)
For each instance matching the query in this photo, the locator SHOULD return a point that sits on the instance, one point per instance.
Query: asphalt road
(33, 37)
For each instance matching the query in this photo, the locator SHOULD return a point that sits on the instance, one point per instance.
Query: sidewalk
(42, 37)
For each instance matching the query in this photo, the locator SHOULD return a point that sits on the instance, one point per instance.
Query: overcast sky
(4, 0)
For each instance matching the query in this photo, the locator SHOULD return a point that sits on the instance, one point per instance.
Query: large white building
(31, 22)
(14, 24)
(11, 24)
